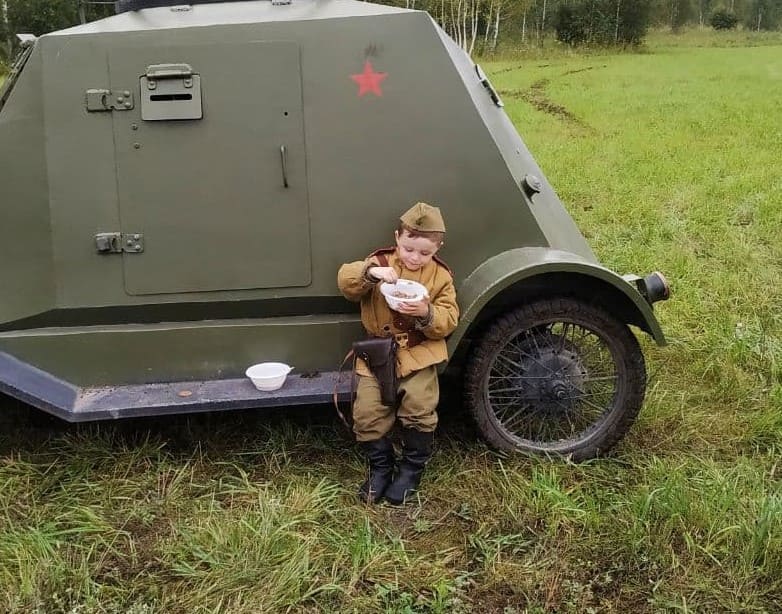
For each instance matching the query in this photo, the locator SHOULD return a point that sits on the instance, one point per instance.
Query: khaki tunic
(380, 321)
(418, 385)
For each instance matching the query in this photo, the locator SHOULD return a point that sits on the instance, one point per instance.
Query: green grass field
(668, 159)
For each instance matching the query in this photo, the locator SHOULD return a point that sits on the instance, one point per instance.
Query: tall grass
(667, 159)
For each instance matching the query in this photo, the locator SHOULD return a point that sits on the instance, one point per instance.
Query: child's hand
(384, 273)
(419, 309)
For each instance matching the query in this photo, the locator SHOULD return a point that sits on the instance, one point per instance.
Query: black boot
(416, 451)
(381, 467)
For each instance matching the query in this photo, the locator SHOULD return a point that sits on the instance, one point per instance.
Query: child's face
(415, 252)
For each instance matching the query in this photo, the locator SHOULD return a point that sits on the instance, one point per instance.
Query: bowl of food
(403, 291)
(268, 375)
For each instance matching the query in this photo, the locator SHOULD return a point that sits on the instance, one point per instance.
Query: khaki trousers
(420, 392)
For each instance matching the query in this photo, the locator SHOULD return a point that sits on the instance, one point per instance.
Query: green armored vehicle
(181, 184)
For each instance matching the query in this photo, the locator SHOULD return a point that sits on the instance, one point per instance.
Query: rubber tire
(626, 354)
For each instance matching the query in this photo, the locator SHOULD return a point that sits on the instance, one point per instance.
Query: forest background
(480, 26)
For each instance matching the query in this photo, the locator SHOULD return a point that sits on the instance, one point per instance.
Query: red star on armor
(369, 80)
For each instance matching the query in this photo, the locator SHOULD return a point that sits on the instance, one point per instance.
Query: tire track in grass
(536, 97)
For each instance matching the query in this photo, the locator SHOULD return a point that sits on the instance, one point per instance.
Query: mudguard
(517, 265)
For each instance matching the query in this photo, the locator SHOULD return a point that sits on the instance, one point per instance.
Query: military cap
(424, 218)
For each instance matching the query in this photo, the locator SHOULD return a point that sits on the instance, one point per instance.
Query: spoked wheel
(558, 376)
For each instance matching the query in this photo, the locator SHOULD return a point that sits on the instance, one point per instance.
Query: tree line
(479, 26)
(42, 16)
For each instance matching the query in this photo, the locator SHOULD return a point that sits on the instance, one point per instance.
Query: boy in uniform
(420, 329)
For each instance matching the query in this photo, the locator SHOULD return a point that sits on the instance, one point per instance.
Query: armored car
(182, 182)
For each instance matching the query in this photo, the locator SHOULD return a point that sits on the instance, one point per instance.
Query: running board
(77, 404)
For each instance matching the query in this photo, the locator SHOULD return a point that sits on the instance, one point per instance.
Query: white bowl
(413, 289)
(268, 375)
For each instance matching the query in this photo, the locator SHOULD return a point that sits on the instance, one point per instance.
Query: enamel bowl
(403, 291)
(268, 375)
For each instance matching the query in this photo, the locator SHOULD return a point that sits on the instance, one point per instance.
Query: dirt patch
(536, 96)
(577, 70)
(508, 69)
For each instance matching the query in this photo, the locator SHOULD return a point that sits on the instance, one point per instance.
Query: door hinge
(118, 242)
(108, 100)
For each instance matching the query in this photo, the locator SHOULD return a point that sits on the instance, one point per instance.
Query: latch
(495, 97)
(118, 242)
(108, 100)
(170, 91)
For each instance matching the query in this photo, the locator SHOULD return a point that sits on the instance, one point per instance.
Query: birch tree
(5, 32)
(496, 13)
(461, 19)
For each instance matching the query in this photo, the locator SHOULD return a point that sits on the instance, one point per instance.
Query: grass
(656, 40)
(667, 159)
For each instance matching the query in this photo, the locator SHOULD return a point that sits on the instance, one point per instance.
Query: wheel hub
(552, 374)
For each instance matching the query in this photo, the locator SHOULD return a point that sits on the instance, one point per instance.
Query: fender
(518, 265)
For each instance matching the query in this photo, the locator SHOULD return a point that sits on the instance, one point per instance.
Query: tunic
(380, 320)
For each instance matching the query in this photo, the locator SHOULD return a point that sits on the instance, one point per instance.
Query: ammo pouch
(380, 355)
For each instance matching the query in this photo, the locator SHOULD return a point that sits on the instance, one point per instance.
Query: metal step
(83, 404)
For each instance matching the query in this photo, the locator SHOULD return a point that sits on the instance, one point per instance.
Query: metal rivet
(120, 99)
(136, 145)
(129, 242)
(136, 237)
(134, 126)
(126, 93)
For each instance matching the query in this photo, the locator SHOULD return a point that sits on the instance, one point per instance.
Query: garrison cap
(424, 218)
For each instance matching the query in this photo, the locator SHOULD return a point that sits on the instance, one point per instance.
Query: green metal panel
(366, 157)
(217, 199)
(79, 148)
(217, 349)
(550, 217)
(26, 267)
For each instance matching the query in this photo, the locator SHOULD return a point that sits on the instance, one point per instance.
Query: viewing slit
(167, 97)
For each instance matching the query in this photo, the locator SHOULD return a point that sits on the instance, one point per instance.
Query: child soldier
(419, 329)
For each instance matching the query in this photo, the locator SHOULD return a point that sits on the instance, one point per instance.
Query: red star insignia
(369, 80)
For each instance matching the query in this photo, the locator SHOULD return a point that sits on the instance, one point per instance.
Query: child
(420, 329)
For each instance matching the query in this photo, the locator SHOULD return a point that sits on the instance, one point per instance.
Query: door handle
(284, 160)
